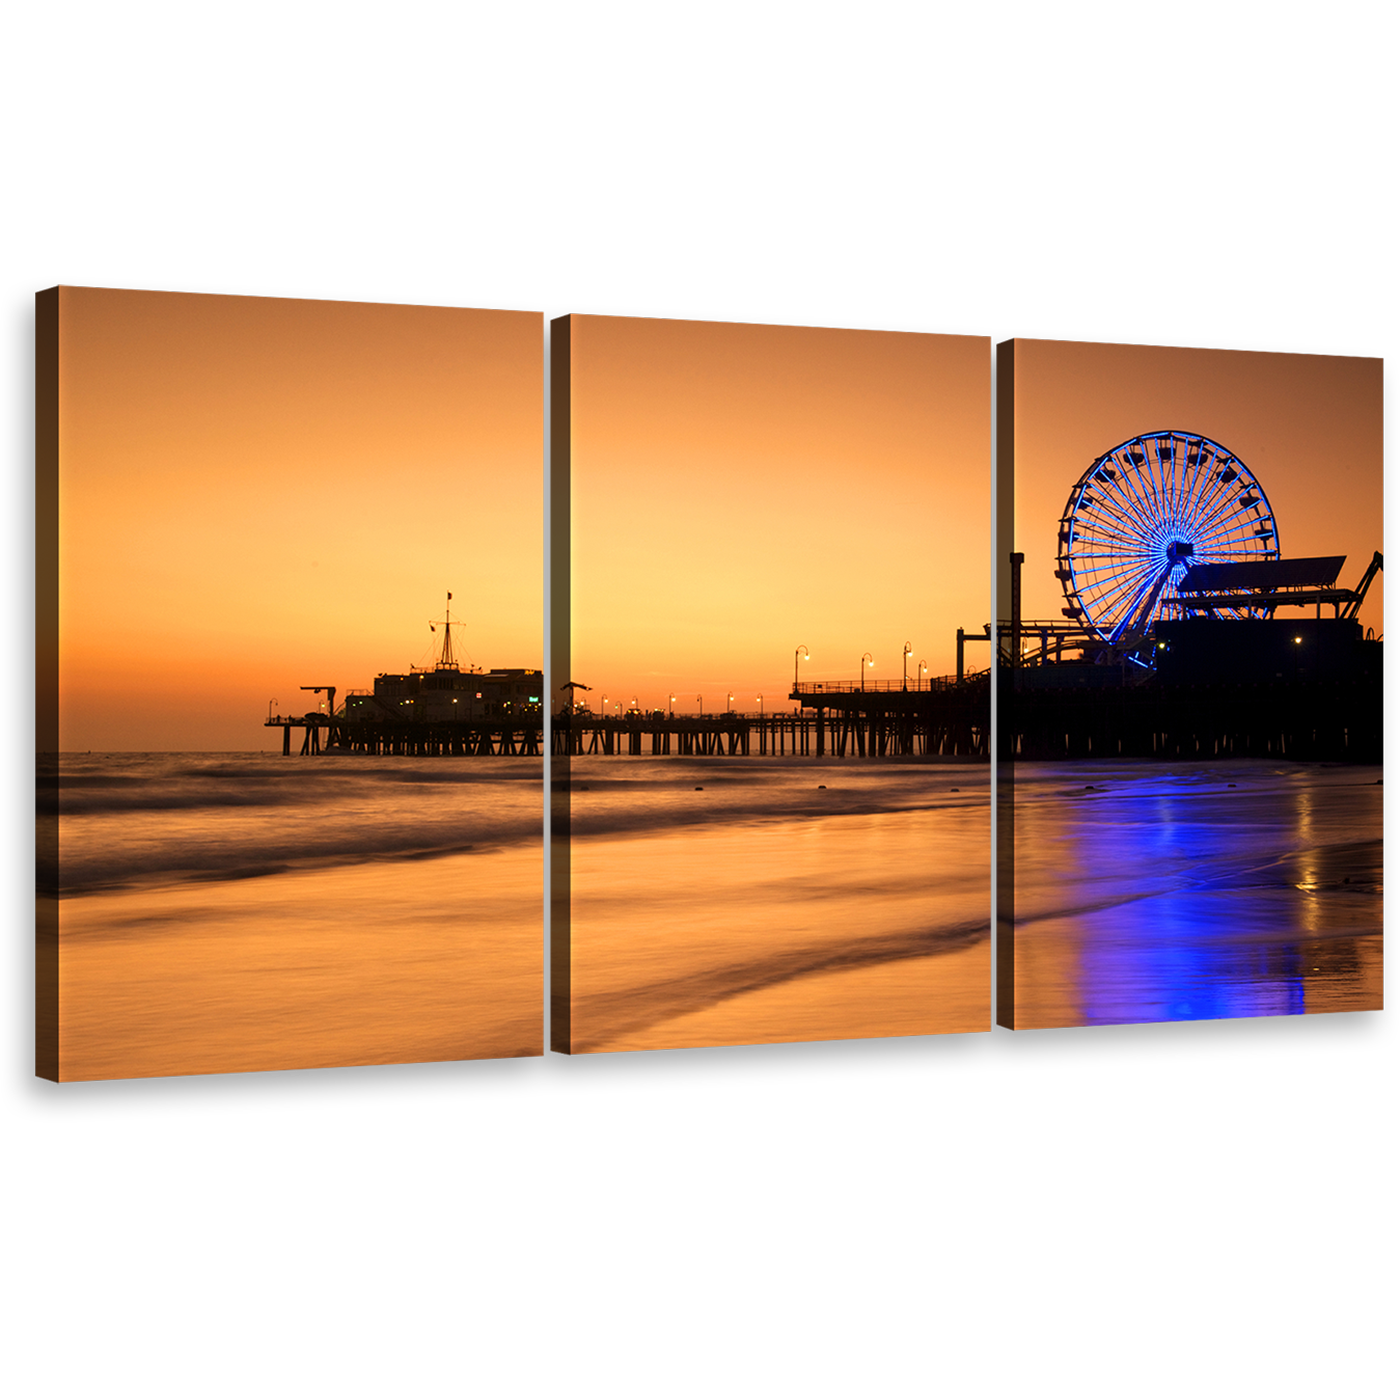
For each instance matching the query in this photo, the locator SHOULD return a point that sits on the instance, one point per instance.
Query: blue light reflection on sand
(1167, 964)
(1155, 892)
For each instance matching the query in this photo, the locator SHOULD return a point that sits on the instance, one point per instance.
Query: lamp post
(731, 701)
(805, 655)
(922, 669)
(908, 651)
(673, 707)
(701, 700)
(865, 660)
(270, 704)
(760, 706)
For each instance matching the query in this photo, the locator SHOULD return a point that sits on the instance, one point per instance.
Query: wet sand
(796, 926)
(1160, 892)
(382, 963)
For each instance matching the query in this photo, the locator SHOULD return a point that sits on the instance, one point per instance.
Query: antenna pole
(446, 658)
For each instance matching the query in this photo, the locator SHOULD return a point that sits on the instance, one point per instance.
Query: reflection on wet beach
(735, 903)
(229, 912)
(1160, 892)
(378, 964)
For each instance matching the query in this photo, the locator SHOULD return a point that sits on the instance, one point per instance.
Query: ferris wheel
(1142, 514)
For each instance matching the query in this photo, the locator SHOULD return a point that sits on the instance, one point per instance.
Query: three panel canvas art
(296, 738)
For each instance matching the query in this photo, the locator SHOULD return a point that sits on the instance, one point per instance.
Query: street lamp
(701, 699)
(865, 660)
(922, 669)
(908, 651)
(731, 701)
(760, 706)
(805, 655)
(673, 707)
(270, 704)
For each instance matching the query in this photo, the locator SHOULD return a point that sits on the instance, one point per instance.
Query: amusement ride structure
(1161, 528)
(1144, 513)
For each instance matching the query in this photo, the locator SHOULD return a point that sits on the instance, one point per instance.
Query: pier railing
(933, 683)
(949, 721)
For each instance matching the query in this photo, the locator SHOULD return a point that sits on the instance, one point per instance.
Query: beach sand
(379, 963)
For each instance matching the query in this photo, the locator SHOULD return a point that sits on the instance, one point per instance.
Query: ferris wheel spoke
(1126, 587)
(1121, 566)
(1113, 490)
(1122, 590)
(1166, 467)
(1116, 565)
(1146, 492)
(1228, 508)
(1158, 476)
(1118, 480)
(1157, 512)
(1241, 531)
(1225, 513)
(1135, 508)
(1149, 588)
(1111, 522)
(1121, 499)
(1214, 515)
(1206, 489)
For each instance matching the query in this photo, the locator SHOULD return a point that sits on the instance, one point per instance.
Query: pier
(1337, 719)
(885, 719)
(1331, 720)
(312, 723)
(521, 737)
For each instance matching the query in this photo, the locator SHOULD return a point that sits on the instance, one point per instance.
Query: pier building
(428, 710)
(1226, 676)
(443, 694)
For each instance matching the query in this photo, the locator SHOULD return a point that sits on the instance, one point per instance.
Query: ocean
(722, 901)
(247, 911)
(244, 911)
(805, 899)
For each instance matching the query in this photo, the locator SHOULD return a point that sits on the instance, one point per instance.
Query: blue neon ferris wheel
(1142, 514)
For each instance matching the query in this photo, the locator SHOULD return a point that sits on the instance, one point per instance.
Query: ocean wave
(673, 793)
(137, 819)
(182, 783)
(72, 876)
(95, 799)
(1350, 870)
(600, 1018)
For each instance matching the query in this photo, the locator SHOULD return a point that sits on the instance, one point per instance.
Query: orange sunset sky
(741, 490)
(1307, 426)
(259, 494)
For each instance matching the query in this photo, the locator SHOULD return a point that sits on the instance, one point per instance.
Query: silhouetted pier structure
(942, 715)
(1339, 721)
(520, 737)
(1207, 684)
(883, 720)
(313, 724)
